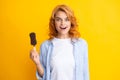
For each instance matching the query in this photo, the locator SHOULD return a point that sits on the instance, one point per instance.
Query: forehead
(60, 14)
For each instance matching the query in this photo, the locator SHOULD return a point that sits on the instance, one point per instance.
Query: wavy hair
(73, 32)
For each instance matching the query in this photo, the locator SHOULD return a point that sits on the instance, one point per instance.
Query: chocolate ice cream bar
(33, 38)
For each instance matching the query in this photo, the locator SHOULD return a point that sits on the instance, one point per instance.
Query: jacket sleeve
(42, 60)
(86, 62)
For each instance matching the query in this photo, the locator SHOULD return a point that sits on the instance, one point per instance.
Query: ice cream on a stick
(33, 39)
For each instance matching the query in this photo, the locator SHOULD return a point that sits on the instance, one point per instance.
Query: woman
(64, 56)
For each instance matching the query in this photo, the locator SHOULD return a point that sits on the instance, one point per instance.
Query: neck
(63, 36)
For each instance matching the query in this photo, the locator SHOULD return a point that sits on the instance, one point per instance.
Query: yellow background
(99, 24)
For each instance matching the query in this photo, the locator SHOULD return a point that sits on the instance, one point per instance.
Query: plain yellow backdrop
(99, 24)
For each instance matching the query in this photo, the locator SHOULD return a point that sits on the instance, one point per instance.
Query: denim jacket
(80, 50)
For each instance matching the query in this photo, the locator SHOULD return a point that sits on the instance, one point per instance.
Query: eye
(57, 19)
(67, 19)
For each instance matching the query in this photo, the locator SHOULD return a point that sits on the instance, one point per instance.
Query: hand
(35, 56)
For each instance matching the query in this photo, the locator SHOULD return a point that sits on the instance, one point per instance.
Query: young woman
(64, 56)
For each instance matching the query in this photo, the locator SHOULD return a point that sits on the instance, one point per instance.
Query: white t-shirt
(62, 61)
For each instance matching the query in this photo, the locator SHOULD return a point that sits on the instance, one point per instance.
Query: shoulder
(82, 42)
(44, 47)
(46, 43)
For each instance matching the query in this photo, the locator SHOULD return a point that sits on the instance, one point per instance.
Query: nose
(62, 22)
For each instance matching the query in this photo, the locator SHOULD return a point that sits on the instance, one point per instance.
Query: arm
(40, 70)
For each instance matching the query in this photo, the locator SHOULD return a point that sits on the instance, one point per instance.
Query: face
(62, 23)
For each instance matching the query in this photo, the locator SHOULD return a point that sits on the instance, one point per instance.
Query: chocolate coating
(33, 38)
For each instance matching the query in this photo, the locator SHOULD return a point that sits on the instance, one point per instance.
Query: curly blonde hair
(73, 32)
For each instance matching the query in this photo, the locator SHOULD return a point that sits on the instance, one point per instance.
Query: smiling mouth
(63, 28)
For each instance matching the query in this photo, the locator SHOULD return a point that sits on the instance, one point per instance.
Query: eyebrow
(60, 18)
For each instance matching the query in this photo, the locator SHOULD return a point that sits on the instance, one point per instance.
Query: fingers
(33, 54)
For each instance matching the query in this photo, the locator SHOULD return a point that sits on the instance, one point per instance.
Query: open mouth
(63, 28)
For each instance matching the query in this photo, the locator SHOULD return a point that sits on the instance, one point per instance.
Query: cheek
(69, 24)
(57, 24)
